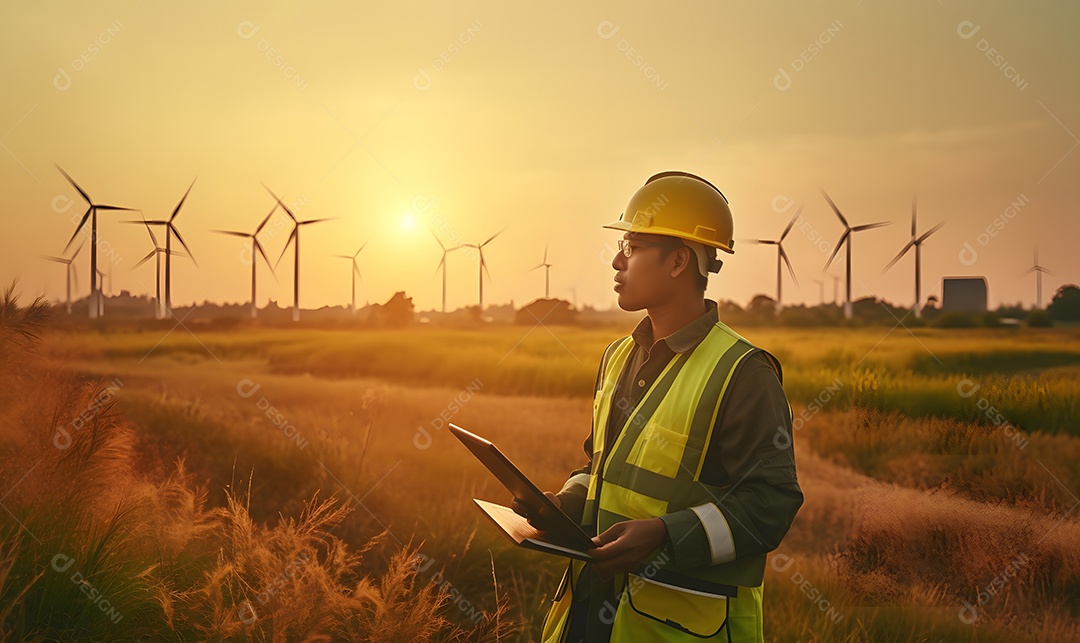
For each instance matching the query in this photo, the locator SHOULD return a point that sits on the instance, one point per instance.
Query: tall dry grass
(99, 545)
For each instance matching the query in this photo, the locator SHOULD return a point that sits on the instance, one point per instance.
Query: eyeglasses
(627, 249)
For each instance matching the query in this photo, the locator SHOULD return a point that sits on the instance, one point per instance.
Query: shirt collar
(683, 340)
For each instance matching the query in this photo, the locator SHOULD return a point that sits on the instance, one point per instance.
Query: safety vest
(653, 469)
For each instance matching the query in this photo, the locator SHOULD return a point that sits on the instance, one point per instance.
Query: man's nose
(618, 262)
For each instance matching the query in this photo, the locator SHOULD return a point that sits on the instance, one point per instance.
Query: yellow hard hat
(679, 204)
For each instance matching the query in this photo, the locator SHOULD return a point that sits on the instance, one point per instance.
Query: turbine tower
(70, 270)
(170, 231)
(483, 265)
(547, 273)
(102, 275)
(91, 213)
(781, 255)
(255, 246)
(916, 242)
(442, 264)
(845, 239)
(294, 238)
(1038, 270)
(355, 272)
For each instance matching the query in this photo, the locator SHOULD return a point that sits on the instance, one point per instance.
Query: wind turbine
(294, 238)
(156, 253)
(71, 274)
(355, 273)
(1038, 270)
(442, 264)
(821, 291)
(483, 265)
(255, 246)
(91, 213)
(781, 255)
(547, 272)
(916, 242)
(170, 230)
(846, 237)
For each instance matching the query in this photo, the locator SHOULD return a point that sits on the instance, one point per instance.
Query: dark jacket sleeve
(751, 457)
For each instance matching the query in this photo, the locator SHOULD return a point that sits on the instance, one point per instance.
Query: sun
(408, 222)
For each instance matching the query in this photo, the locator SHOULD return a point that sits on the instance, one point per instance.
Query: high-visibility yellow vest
(653, 469)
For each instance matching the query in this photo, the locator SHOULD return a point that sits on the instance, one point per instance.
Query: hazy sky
(542, 119)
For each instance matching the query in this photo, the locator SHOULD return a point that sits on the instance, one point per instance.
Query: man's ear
(683, 256)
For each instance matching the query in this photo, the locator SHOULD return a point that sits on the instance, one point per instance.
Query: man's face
(644, 278)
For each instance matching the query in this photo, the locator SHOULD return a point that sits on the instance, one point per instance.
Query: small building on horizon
(964, 295)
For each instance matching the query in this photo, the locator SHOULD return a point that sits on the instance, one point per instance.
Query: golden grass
(905, 517)
(98, 551)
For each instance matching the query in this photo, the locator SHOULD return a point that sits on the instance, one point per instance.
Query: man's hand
(627, 545)
(537, 515)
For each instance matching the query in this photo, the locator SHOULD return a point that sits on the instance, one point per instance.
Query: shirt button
(641, 383)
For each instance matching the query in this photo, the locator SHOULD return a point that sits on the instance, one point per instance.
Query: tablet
(563, 530)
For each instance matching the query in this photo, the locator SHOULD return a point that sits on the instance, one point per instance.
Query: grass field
(939, 471)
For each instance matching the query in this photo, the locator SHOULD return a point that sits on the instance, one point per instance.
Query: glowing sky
(540, 119)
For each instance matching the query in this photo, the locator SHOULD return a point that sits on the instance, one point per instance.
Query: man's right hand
(537, 515)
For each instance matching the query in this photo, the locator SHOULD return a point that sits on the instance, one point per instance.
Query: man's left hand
(627, 545)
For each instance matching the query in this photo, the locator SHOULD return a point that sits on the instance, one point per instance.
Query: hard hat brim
(626, 226)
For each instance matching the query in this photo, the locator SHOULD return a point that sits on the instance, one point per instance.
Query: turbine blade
(56, 259)
(361, 249)
(437, 240)
(835, 209)
(929, 232)
(315, 221)
(286, 248)
(783, 255)
(181, 240)
(233, 233)
(79, 227)
(259, 247)
(182, 199)
(492, 237)
(442, 264)
(1031, 270)
(539, 265)
(116, 207)
(267, 219)
(898, 256)
(85, 196)
(545, 254)
(837, 248)
(283, 206)
(76, 254)
(145, 259)
(153, 238)
(792, 223)
(870, 226)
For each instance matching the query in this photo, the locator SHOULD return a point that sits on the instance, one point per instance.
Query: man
(691, 473)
